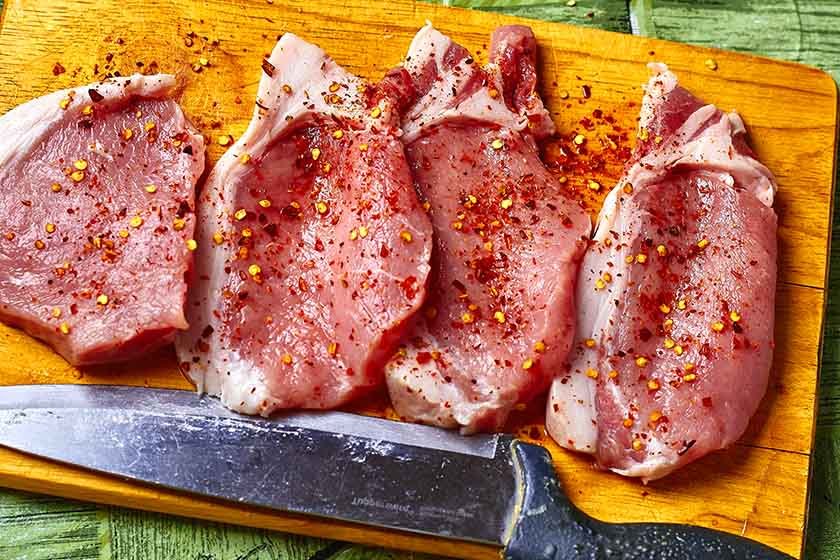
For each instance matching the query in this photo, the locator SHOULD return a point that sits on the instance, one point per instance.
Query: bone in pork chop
(675, 295)
(313, 246)
(500, 315)
(97, 190)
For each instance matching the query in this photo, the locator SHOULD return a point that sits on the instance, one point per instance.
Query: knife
(490, 489)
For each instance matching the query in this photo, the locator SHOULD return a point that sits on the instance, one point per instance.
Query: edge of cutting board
(824, 310)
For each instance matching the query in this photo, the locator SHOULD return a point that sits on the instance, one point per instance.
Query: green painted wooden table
(42, 528)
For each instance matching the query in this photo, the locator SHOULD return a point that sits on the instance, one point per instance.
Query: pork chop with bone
(313, 246)
(676, 295)
(499, 319)
(97, 190)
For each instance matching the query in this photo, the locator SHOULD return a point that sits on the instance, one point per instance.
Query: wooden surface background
(774, 454)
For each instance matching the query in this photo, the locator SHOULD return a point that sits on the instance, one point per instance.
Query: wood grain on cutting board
(757, 488)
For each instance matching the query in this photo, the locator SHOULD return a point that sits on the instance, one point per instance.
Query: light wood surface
(757, 488)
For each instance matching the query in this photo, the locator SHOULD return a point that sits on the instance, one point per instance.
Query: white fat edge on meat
(418, 384)
(712, 148)
(659, 462)
(24, 127)
(308, 72)
(661, 83)
(429, 43)
(242, 388)
(571, 416)
(573, 424)
(427, 380)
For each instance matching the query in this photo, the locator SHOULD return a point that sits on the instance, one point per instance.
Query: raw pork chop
(313, 247)
(500, 315)
(97, 188)
(676, 295)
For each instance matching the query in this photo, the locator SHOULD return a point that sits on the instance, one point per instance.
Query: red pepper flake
(268, 68)
(58, 69)
(409, 287)
(424, 358)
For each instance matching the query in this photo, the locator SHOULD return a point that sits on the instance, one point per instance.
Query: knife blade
(489, 489)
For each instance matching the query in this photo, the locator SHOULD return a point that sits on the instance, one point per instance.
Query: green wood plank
(137, 535)
(36, 527)
(603, 14)
(824, 517)
(799, 30)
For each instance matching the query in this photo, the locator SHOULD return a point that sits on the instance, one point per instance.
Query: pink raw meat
(97, 198)
(676, 295)
(500, 315)
(313, 247)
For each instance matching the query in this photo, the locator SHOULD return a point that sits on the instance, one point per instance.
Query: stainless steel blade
(337, 465)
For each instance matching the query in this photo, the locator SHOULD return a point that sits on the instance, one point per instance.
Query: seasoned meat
(499, 319)
(313, 246)
(675, 295)
(97, 190)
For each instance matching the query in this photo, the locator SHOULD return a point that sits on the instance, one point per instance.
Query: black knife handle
(549, 527)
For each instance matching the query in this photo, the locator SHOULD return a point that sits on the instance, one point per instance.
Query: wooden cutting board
(758, 488)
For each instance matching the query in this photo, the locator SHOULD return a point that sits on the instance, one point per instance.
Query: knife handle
(549, 527)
